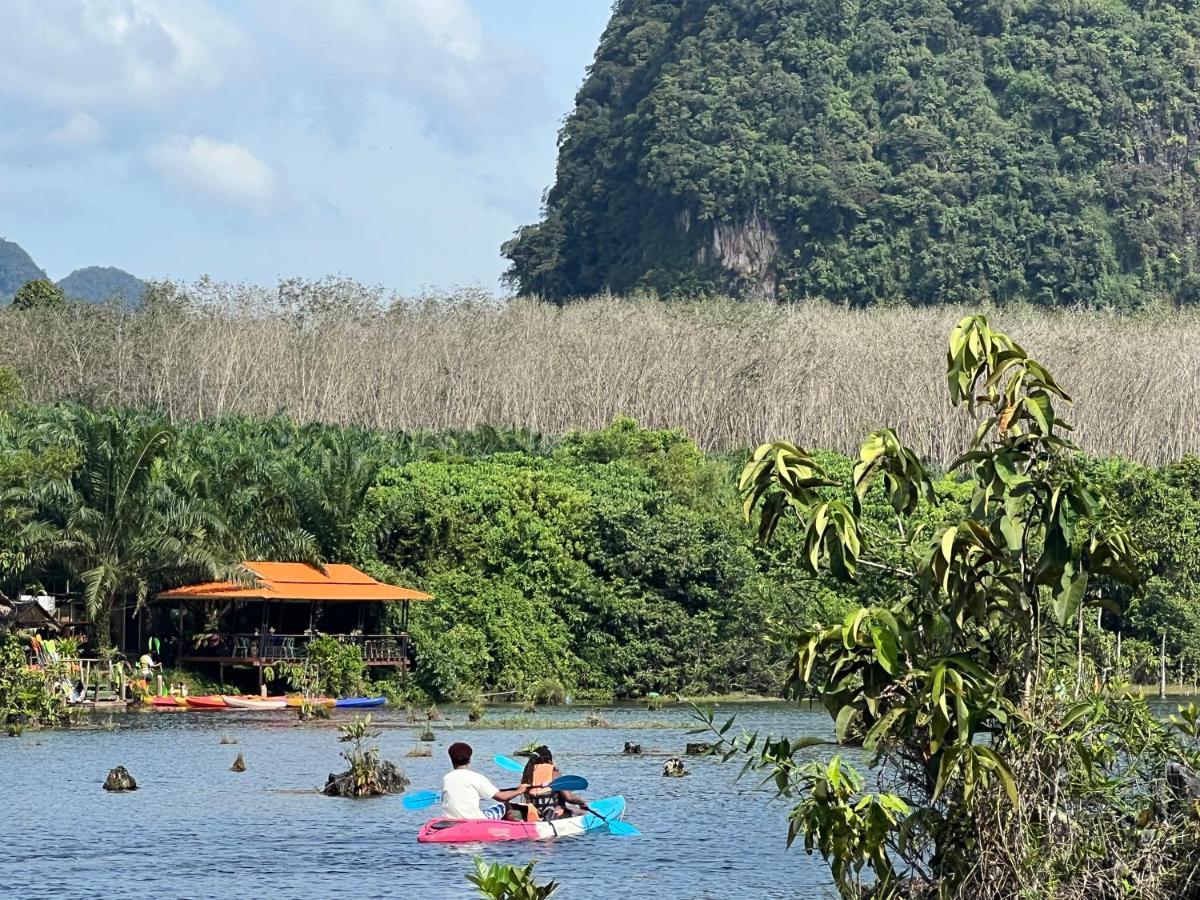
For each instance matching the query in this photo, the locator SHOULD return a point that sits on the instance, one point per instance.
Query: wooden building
(272, 618)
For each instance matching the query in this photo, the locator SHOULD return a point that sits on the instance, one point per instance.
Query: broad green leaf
(1069, 599)
(886, 651)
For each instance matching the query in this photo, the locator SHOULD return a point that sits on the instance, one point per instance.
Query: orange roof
(299, 581)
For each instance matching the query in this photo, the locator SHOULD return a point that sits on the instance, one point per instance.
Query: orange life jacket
(539, 795)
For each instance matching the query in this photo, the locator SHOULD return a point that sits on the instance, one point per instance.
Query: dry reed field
(728, 374)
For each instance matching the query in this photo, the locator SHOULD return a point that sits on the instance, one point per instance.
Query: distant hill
(926, 151)
(99, 283)
(16, 268)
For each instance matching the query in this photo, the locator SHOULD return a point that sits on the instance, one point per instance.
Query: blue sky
(396, 141)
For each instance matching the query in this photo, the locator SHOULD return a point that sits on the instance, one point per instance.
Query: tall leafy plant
(941, 677)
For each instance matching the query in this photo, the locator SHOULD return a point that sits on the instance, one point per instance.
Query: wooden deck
(260, 662)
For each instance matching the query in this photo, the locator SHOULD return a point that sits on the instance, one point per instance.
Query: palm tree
(132, 519)
(246, 473)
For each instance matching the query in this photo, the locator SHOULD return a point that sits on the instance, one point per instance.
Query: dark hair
(543, 754)
(460, 754)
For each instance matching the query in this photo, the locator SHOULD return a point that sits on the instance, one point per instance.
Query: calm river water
(197, 830)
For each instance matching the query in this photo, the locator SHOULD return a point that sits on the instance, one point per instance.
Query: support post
(1162, 668)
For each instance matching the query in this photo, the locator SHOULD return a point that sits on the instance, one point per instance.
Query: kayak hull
(491, 831)
(259, 703)
(168, 702)
(360, 702)
(213, 701)
(315, 701)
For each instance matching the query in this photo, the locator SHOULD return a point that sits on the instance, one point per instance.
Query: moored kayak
(169, 702)
(212, 701)
(256, 702)
(462, 831)
(315, 701)
(360, 702)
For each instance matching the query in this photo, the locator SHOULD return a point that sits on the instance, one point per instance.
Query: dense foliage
(879, 150)
(38, 294)
(610, 562)
(29, 695)
(950, 678)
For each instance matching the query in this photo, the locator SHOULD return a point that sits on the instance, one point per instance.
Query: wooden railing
(375, 647)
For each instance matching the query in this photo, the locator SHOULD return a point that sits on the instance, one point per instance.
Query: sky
(399, 142)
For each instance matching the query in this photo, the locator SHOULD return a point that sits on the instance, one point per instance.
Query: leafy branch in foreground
(500, 881)
(949, 680)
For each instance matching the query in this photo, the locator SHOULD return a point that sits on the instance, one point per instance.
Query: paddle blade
(622, 829)
(506, 762)
(569, 783)
(421, 799)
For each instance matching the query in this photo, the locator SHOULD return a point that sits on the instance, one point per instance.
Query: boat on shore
(315, 701)
(210, 701)
(256, 702)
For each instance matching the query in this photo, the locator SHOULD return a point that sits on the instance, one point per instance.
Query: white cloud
(226, 174)
(79, 130)
(83, 54)
(433, 54)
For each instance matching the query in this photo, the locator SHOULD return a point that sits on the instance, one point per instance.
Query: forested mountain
(879, 150)
(16, 268)
(100, 283)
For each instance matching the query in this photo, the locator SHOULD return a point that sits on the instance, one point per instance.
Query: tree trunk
(1162, 668)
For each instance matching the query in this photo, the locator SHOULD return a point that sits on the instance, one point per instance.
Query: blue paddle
(426, 799)
(421, 799)
(507, 762)
(596, 814)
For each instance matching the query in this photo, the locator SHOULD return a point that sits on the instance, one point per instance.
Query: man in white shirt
(462, 789)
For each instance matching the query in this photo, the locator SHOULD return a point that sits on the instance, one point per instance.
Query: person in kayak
(463, 788)
(541, 803)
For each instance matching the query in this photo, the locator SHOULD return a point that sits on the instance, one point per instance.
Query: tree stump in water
(384, 779)
(674, 768)
(239, 764)
(632, 749)
(119, 780)
(1183, 782)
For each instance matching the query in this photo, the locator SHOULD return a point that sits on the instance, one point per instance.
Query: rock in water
(239, 764)
(632, 749)
(119, 779)
(674, 768)
(698, 749)
(385, 779)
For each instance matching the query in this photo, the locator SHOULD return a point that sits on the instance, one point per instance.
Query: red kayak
(212, 701)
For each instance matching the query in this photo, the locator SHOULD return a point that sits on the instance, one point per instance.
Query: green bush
(339, 667)
(29, 695)
(547, 692)
(500, 881)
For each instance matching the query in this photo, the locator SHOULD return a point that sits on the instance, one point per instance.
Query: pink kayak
(462, 831)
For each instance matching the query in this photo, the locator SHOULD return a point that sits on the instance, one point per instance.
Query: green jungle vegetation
(870, 151)
(608, 563)
(1003, 770)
